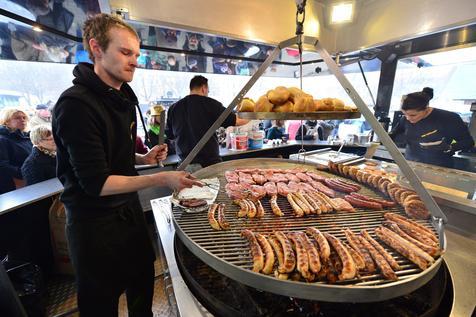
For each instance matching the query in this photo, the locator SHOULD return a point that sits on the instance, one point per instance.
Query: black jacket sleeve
(6, 168)
(79, 130)
(459, 136)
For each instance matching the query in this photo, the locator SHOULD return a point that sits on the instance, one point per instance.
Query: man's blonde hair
(40, 132)
(98, 27)
(7, 113)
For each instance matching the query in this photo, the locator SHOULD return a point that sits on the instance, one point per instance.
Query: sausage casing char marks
(379, 259)
(225, 225)
(313, 254)
(349, 269)
(289, 256)
(324, 248)
(431, 250)
(388, 257)
(402, 246)
(302, 258)
(361, 250)
(273, 201)
(268, 253)
(294, 205)
(280, 272)
(255, 249)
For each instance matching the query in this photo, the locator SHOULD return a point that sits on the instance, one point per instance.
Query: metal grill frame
(202, 240)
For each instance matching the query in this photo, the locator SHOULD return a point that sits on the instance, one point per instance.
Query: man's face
(118, 62)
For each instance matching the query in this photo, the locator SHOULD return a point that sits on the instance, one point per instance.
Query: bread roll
(350, 108)
(263, 105)
(279, 95)
(320, 106)
(285, 107)
(304, 103)
(338, 105)
(247, 105)
(327, 104)
(294, 92)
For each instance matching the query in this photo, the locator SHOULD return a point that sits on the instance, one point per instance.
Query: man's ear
(95, 48)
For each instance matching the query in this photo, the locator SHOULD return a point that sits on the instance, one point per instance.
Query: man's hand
(178, 180)
(155, 155)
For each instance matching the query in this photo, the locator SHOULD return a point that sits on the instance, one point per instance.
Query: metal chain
(299, 32)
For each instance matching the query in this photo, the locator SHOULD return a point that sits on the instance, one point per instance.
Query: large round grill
(228, 253)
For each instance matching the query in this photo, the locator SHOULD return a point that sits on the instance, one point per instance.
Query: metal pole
(407, 171)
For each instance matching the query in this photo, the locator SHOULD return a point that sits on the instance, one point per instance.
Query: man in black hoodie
(94, 126)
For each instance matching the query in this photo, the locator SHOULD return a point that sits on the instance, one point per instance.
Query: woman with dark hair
(432, 135)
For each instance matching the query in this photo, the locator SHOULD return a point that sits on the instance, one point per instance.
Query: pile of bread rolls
(282, 99)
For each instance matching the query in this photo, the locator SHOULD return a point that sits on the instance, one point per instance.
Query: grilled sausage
(305, 203)
(278, 250)
(302, 264)
(314, 204)
(348, 184)
(252, 211)
(243, 207)
(325, 200)
(211, 217)
(405, 248)
(259, 209)
(384, 203)
(297, 209)
(433, 251)
(192, 203)
(273, 201)
(357, 245)
(417, 234)
(289, 256)
(390, 260)
(304, 207)
(358, 259)
(382, 264)
(324, 248)
(337, 186)
(268, 253)
(255, 249)
(359, 203)
(225, 225)
(416, 209)
(415, 225)
(313, 255)
(348, 265)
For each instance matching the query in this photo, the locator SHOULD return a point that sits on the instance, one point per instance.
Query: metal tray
(318, 115)
(228, 253)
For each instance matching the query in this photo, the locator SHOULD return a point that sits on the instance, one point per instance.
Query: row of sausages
(319, 256)
(407, 198)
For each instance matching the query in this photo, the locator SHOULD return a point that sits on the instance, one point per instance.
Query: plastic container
(255, 140)
(239, 141)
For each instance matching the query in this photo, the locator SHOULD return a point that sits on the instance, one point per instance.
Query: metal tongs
(161, 137)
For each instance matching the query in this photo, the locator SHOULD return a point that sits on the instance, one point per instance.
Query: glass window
(450, 74)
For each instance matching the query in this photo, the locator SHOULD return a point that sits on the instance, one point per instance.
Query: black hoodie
(94, 127)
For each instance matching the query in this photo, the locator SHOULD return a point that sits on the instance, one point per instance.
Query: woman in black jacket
(15, 146)
(431, 135)
(40, 165)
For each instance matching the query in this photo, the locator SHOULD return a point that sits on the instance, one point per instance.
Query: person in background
(40, 165)
(140, 146)
(154, 125)
(42, 116)
(15, 146)
(309, 131)
(432, 135)
(94, 127)
(276, 131)
(190, 118)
